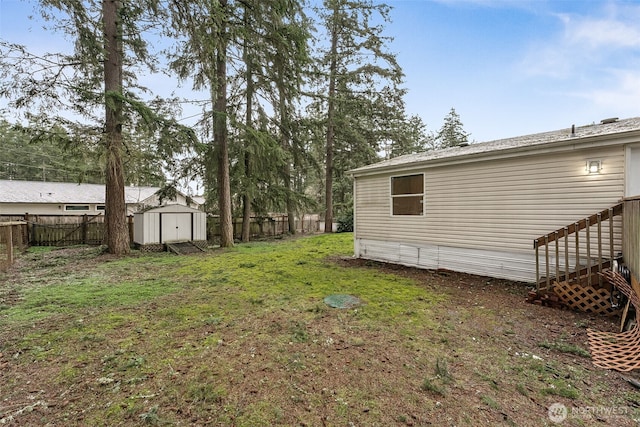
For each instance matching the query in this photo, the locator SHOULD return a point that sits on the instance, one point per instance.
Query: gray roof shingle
(64, 192)
(557, 136)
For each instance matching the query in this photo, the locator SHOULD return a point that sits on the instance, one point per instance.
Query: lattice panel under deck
(585, 298)
(619, 351)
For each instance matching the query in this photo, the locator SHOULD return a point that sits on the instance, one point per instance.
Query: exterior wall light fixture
(594, 167)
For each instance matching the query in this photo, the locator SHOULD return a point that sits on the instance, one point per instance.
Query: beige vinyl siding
(499, 205)
(56, 209)
(46, 209)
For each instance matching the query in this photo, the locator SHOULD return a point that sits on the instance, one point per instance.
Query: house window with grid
(407, 195)
(76, 207)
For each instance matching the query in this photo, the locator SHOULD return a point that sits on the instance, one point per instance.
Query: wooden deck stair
(183, 248)
(577, 254)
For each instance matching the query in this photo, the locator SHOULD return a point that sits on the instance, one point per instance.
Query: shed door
(176, 226)
(633, 173)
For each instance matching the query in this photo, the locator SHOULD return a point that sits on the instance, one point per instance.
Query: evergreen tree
(52, 159)
(205, 34)
(248, 189)
(359, 91)
(116, 228)
(265, 49)
(290, 60)
(452, 133)
(90, 83)
(30, 155)
(275, 54)
(412, 137)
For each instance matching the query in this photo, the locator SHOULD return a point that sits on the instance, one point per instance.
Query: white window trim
(66, 208)
(423, 194)
(630, 175)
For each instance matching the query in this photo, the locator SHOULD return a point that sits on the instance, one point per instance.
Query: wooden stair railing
(578, 272)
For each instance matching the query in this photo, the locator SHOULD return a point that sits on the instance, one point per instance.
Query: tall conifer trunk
(247, 197)
(116, 227)
(333, 70)
(286, 146)
(220, 133)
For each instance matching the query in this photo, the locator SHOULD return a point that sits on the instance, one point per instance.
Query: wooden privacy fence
(67, 230)
(64, 230)
(89, 233)
(264, 226)
(11, 240)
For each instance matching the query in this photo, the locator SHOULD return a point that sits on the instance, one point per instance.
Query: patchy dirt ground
(549, 342)
(479, 356)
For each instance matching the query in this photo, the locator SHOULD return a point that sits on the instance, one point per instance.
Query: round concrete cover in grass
(342, 301)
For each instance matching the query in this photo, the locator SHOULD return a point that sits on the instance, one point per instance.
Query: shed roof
(172, 208)
(526, 142)
(65, 192)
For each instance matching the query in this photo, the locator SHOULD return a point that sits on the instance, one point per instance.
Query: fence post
(9, 243)
(535, 244)
(31, 229)
(26, 235)
(566, 254)
(34, 240)
(588, 238)
(84, 229)
(130, 223)
(555, 236)
(546, 257)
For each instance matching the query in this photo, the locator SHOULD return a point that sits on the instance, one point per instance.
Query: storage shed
(155, 227)
(478, 209)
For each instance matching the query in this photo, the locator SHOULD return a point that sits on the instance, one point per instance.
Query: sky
(512, 68)
(508, 67)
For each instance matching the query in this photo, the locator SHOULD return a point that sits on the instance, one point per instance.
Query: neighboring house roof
(65, 192)
(199, 200)
(507, 146)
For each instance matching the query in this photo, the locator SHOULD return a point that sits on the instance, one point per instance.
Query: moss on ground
(242, 336)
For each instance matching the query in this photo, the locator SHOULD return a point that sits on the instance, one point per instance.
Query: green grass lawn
(264, 276)
(242, 337)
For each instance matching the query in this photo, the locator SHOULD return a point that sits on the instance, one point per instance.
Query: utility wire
(49, 168)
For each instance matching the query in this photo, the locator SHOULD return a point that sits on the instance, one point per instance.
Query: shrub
(345, 221)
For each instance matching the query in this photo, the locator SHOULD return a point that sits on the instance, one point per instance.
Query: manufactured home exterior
(478, 208)
(67, 198)
(171, 223)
